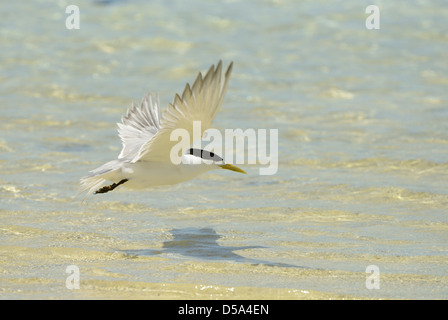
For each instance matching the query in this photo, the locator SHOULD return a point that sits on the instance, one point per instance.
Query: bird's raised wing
(200, 102)
(138, 126)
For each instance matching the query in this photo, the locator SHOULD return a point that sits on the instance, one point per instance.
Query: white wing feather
(138, 126)
(146, 136)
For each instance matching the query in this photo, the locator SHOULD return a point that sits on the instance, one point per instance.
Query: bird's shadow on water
(202, 243)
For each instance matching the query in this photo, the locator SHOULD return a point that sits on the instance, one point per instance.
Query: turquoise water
(362, 121)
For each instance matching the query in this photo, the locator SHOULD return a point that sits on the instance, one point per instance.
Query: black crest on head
(204, 154)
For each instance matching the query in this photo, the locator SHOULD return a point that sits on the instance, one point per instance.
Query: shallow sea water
(362, 119)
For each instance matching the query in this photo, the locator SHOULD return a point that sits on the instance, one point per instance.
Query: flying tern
(144, 160)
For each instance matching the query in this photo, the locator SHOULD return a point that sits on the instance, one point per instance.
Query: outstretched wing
(200, 102)
(138, 126)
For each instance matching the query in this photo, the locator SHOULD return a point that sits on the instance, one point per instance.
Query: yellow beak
(232, 167)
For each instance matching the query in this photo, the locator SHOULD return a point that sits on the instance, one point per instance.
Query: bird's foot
(111, 187)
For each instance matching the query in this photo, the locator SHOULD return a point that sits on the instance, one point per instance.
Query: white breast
(144, 174)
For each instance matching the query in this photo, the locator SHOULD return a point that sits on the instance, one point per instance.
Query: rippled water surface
(362, 121)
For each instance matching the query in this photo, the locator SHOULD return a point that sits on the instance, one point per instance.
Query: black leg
(111, 187)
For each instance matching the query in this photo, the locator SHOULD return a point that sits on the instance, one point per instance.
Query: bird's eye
(212, 154)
